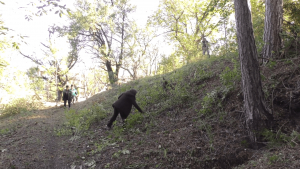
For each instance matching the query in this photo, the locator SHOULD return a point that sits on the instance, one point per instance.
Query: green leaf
(69, 12)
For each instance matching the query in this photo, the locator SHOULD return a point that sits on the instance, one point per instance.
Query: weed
(272, 64)
(4, 131)
(274, 158)
(134, 119)
(84, 118)
(288, 62)
(118, 153)
(103, 143)
(230, 77)
(165, 153)
(63, 131)
(107, 165)
(278, 138)
(213, 100)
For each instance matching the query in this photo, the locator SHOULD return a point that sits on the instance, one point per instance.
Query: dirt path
(33, 143)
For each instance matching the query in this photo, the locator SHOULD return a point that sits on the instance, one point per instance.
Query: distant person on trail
(74, 93)
(205, 46)
(67, 96)
(123, 106)
(77, 90)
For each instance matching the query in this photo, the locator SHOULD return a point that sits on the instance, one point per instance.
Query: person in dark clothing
(67, 96)
(123, 106)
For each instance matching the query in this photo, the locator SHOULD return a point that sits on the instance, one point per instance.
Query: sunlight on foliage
(17, 106)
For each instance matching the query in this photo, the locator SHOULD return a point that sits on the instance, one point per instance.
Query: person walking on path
(67, 96)
(74, 93)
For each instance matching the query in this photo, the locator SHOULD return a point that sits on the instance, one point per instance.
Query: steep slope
(194, 119)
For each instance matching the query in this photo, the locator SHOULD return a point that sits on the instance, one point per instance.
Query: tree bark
(272, 30)
(254, 103)
(110, 72)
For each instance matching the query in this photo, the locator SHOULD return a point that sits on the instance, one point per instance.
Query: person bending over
(123, 106)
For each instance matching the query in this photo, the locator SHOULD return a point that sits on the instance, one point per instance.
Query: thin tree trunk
(254, 103)
(272, 30)
(110, 72)
(118, 66)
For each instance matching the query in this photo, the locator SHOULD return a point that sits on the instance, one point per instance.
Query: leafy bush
(84, 118)
(213, 101)
(230, 77)
(17, 106)
(278, 138)
(134, 119)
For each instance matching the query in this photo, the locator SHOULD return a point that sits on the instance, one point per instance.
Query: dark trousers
(114, 117)
(69, 103)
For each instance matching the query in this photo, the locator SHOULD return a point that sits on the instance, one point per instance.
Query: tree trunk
(272, 30)
(110, 72)
(59, 95)
(254, 103)
(119, 64)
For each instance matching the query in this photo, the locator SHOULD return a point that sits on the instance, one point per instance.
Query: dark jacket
(67, 95)
(125, 102)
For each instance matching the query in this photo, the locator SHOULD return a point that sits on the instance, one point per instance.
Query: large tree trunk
(59, 95)
(111, 76)
(254, 103)
(273, 23)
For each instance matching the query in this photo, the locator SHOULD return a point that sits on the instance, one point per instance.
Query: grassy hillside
(194, 119)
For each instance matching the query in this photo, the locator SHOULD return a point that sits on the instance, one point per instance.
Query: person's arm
(137, 107)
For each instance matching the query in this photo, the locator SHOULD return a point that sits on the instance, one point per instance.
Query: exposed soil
(177, 137)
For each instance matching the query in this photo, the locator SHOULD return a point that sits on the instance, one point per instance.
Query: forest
(217, 82)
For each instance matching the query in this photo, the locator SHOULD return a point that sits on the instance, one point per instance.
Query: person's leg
(208, 52)
(65, 102)
(123, 116)
(113, 118)
(69, 103)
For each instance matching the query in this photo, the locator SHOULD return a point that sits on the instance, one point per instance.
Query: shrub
(134, 119)
(230, 77)
(17, 106)
(82, 119)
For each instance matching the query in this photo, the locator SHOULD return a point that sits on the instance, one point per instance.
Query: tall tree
(186, 22)
(254, 102)
(137, 49)
(103, 28)
(56, 67)
(272, 31)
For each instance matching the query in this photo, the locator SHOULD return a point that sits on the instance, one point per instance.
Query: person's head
(67, 87)
(133, 91)
(71, 86)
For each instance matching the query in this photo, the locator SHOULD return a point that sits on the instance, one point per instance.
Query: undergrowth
(80, 121)
(18, 106)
